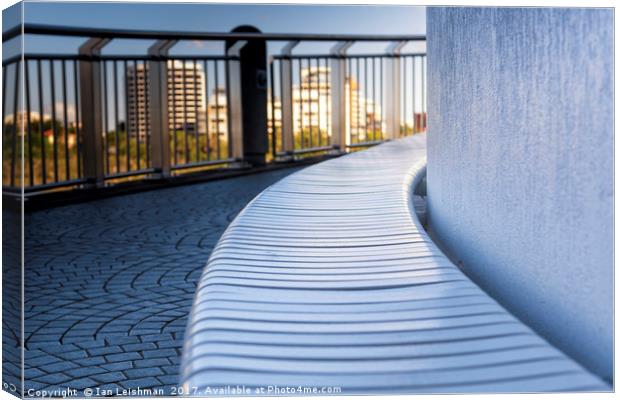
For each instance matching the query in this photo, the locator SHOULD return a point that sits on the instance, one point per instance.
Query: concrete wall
(520, 166)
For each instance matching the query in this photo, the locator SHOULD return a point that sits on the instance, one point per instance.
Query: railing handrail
(112, 57)
(146, 57)
(362, 55)
(42, 29)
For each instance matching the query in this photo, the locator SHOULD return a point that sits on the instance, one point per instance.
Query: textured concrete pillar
(520, 164)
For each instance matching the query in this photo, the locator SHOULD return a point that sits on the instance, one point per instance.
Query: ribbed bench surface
(328, 279)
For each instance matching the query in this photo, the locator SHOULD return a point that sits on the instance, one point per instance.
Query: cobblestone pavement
(109, 283)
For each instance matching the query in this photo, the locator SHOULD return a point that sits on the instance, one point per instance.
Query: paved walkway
(109, 284)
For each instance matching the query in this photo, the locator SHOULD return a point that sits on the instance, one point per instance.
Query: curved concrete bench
(328, 279)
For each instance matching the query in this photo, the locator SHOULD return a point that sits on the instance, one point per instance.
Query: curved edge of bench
(414, 176)
(411, 179)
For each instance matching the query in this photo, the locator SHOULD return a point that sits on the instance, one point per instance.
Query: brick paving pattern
(109, 283)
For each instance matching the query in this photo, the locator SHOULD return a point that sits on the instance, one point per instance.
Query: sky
(345, 19)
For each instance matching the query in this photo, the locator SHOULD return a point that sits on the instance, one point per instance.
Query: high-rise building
(186, 89)
(186, 100)
(312, 106)
(217, 113)
(137, 99)
(363, 114)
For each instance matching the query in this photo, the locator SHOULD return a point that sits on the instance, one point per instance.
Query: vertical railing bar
(105, 116)
(328, 102)
(5, 72)
(325, 92)
(355, 110)
(116, 132)
(285, 66)
(310, 101)
(381, 95)
(319, 82)
(318, 99)
(311, 87)
(136, 111)
(416, 124)
(374, 99)
(65, 118)
(357, 75)
(237, 131)
(413, 102)
(234, 88)
(4, 94)
(196, 119)
(340, 136)
(54, 130)
(421, 122)
(370, 92)
(288, 122)
(399, 98)
(217, 107)
(315, 114)
(302, 103)
(15, 112)
(91, 104)
(407, 91)
(206, 68)
(229, 116)
(350, 69)
(4, 91)
(160, 90)
(415, 119)
(405, 94)
(184, 96)
(147, 117)
(41, 122)
(28, 111)
(306, 101)
(366, 94)
(412, 85)
(126, 97)
(77, 119)
(423, 92)
(364, 68)
(412, 93)
(229, 120)
(277, 88)
(272, 85)
(173, 93)
(301, 106)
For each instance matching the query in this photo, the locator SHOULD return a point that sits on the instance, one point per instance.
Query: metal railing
(90, 120)
(369, 97)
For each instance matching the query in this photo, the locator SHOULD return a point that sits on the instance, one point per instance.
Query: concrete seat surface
(327, 279)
